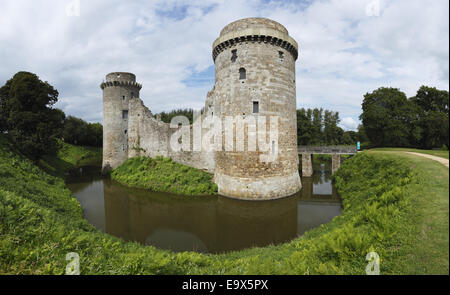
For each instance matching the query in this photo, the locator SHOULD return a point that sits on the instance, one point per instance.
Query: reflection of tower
(255, 76)
(118, 89)
(244, 224)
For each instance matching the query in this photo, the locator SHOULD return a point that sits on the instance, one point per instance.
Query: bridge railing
(338, 149)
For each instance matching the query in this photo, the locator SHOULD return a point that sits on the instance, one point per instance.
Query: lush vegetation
(79, 132)
(35, 127)
(167, 116)
(164, 175)
(27, 115)
(390, 119)
(320, 127)
(394, 204)
(69, 157)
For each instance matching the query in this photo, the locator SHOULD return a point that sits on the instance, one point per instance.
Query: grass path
(437, 153)
(425, 247)
(439, 159)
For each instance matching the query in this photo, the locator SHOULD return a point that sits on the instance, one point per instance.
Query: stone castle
(254, 77)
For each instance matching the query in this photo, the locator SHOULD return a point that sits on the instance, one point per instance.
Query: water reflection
(211, 224)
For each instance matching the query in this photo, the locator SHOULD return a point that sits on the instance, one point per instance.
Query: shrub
(164, 175)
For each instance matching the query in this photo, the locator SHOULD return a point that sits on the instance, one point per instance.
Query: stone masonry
(254, 76)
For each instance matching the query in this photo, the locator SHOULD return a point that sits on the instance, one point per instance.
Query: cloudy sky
(347, 47)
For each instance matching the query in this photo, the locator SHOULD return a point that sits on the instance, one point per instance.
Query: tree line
(320, 127)
(390, 119)
(33, 124)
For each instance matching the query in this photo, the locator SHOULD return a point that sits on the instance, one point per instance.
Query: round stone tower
(254, 77)
(118, 89)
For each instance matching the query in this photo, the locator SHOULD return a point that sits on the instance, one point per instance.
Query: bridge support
(307, 165)
(335, 162)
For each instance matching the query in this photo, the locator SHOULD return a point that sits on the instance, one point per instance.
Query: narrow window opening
(132, 94)
(126, 131)
(273, 147)
(242, 74)
(234, 55)
(255, 107)
(125, 114)
(281, 54)
(123, 97)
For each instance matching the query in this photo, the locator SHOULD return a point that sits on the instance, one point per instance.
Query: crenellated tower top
(121, 79)
(255, 29)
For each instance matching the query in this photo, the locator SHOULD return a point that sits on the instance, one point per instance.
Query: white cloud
(349, 123)
(343, 52)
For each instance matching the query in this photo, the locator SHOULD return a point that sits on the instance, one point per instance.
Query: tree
(349, 138)
(385, 117)
(432, 123)
(361, 134)
(80, 132)
(304, 127)
(319, 127)
(167, 117)
(332, 133)
(28, 116)
(317, 124)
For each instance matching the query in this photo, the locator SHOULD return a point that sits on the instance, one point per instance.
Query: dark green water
(211, 224)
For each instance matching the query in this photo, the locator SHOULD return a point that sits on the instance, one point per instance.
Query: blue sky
(347, 48)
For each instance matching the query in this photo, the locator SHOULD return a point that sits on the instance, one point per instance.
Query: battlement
(121, 83)
(255, 30)
(253, 22)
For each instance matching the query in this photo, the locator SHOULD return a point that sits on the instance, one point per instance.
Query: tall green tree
(79, 132)
(28, 116)
(432, 120)
(332, 133)
(167, 116)
(385, 117)
(304, 127)
(317, 125)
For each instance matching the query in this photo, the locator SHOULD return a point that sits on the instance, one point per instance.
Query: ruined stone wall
(149, 136)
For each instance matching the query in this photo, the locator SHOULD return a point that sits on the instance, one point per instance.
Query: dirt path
(439, 159)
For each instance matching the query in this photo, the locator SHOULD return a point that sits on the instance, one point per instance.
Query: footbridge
(335, 151)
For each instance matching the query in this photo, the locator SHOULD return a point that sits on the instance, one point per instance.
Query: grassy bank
(437, 153)
(395, 205)
(69, 157)
(164, 175)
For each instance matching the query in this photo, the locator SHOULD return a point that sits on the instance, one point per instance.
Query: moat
(208, 224)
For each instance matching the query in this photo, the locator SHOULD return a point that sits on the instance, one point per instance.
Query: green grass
(69, 157)
(438, 153)
(164, 175)
(426, 239)
(394, 204)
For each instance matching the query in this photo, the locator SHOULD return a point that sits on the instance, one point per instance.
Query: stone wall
(149, 136)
